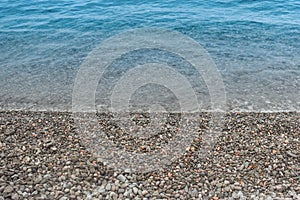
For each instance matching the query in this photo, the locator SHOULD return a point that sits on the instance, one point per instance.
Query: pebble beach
(255, 157)
(195, 100)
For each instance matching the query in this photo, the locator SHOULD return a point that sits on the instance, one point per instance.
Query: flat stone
(291, 154)
(121, 178)
(8, 189)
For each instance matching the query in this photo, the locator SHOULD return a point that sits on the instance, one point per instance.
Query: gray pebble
(8, 189)
(108, 187)
(135, 190)
(121, 178)
(194, 193)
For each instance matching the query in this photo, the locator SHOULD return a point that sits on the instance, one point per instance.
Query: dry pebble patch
(256, 157)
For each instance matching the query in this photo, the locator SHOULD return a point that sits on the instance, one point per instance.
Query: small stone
(25, 194)
(113, 195)
(139, 178)
(236, 187)
(186, 188)
(241, 167)
(62, 178)
(240, 194)
(235, 195)
(15, 196)
(8, 189)
(126, 193)
(108, 187)
(135, 190)
(77, 193)
(101, 190)
(194, 193)
(227, 189)
(279, 188)
(53, 148)
(121, 178)
(291, 154)
(47, 176)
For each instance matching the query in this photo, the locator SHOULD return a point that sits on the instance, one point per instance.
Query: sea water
(254, 44)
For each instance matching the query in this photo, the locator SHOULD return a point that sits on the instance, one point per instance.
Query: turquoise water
(255, 44)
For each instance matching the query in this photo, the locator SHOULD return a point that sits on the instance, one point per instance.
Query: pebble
(14, 196)
(194, 193)
(135, 190)
(108, 187)
(73, 176)
(235, 187)
(8, 189)
(121, 178)
(291, 154)
(126, 193)
(113, 195)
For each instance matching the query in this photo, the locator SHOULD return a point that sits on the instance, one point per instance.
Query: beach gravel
(42, 156)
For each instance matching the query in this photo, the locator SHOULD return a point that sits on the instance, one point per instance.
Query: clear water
(255, 44)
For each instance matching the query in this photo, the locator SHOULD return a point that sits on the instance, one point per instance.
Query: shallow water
(255, 45)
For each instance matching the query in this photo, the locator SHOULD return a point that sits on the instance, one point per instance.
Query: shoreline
(201, 111)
